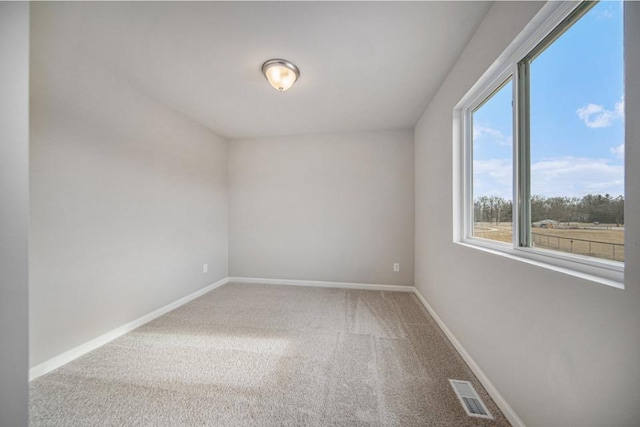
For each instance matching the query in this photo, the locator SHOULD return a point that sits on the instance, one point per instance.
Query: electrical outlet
(396, 267)
(205, 268)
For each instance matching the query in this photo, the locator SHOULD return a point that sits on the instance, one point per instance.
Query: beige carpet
(260, 355)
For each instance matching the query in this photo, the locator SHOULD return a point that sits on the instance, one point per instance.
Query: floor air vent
(473, 406)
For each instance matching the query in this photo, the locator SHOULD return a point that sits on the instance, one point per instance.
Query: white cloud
(596, 116)
(556, 177)
(493, 178)
(576, 176)
(481, 131)
(604, 14)
(618, 151)
(619, 109)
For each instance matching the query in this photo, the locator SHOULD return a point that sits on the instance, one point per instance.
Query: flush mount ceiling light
(281, 73)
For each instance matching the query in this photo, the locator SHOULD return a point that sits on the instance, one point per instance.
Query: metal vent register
(471, 402)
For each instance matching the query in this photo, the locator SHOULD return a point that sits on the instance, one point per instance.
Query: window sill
(598, 271)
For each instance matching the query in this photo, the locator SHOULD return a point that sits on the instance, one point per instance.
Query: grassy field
(606, 241)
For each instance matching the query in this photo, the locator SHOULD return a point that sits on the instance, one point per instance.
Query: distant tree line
(599, 208)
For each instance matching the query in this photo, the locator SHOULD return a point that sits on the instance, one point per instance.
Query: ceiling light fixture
(281, 73)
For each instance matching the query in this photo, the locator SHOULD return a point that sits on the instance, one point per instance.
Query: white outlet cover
(396, 266)
(205, 268)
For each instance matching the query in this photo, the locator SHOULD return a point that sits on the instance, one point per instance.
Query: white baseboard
(322, 284)
(502, 403)
(66, 357)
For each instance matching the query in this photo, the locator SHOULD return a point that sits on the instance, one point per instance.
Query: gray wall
(128, 198)
(563, 351)
(14, 210)
(335, 207)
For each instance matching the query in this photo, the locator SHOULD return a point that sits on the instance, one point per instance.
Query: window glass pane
(577, 138)
(493, 166)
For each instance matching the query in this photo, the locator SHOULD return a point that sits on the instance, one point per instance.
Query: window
(492, 130)
(543, 145)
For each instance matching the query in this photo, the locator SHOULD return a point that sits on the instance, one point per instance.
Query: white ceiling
(364, 66)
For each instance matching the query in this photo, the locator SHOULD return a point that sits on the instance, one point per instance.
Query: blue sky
(577, 116)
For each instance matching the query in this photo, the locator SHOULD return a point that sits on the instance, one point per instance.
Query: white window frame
(507, 66)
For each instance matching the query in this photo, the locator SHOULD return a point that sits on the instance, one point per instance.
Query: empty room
(320, 213)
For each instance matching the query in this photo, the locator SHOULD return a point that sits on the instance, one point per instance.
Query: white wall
(562, 351)
(14, 210)
(128, 198)
(336, 207)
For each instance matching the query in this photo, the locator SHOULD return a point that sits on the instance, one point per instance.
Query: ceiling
(364, 65)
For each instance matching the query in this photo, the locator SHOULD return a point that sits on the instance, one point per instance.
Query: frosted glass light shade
(280, 73)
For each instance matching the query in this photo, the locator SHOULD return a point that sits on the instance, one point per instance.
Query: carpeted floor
(263, 355)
